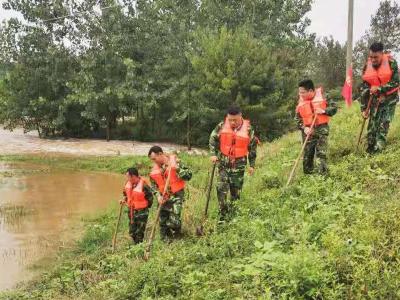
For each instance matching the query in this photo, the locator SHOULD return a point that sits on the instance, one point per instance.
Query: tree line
(165, 70)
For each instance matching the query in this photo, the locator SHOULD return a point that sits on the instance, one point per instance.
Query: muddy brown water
(39, 209)
(17, 142)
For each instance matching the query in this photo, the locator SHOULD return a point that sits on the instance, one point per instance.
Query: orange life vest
(306, 109)
(234, 144)
(380, 76)
(136, 197)
(176, 184)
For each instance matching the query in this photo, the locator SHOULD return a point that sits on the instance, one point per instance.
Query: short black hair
(308, 84)
(156, 150)
(376, 47)
(233, 110)
(132, 171)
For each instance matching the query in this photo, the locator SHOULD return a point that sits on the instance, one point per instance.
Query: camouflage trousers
(316, 148)
(378, 126)
(170, 216)
(230, 179)
(137, 225)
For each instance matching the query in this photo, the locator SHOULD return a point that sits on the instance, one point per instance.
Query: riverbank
(85, 165)
(322, 238)
(116, 164)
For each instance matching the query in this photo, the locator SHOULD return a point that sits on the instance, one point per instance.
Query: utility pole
(349, 55)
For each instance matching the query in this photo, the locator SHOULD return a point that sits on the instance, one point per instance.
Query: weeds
(321, 238)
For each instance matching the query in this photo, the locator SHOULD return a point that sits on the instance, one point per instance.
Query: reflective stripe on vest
(176, 184)
(306, 109)
(380, 76)
(234, 144)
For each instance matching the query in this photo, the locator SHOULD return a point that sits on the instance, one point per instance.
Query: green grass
(91, 163)
(321, 238)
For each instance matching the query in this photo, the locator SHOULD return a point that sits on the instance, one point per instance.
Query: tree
(255, 77)
(35, 83)
(384, 27)
(265, 18)
(99, 86)
(329, 63)
(152, 63)
(39, 66)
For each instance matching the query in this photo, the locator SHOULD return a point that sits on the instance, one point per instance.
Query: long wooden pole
(200, 229)
(368, 109)
(114, 241)
(301, 151)
(153, 230)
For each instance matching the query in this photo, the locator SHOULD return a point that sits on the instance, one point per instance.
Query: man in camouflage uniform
(381, 82)
(172, 202)
(138, 200)
(312, 104)
(232, 143)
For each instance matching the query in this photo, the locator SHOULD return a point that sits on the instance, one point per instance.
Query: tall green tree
(232, 67)
(276, 20)
(40, 65)
(99, 85)
(152, 63)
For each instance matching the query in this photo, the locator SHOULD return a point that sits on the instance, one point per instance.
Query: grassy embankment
(322, 238)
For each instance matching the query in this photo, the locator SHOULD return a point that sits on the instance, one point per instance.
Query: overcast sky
(328, 17)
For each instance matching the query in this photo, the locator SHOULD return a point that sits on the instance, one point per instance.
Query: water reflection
(39, 209)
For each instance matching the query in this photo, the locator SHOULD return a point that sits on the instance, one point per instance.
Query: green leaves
(329, 64)
(170, 69)
(384, 27)
(232, 66)
(324, 237)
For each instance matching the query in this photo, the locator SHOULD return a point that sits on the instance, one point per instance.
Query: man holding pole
(168, 178)
(232, 144)
(138, 197)
(379, 95)
(313, 113)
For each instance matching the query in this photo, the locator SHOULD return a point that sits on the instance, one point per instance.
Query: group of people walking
(233, 147)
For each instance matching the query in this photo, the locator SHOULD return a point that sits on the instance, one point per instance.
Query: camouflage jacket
(330, 111)
(380, 96)
(148, 194)
(224, 160)
(182, 171)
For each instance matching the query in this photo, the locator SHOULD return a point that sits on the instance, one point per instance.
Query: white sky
(4, 14)
(328, 17)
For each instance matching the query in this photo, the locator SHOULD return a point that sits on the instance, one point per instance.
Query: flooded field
(16, 142)
(39, 208)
